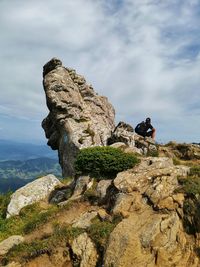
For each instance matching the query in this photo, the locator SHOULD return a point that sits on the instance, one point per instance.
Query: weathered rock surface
(102, 188)
(78, 116)
(149, 239)
(32, 192)
(83, 183)
(146, 146)
(84, 220)
(8, 243)
(13, 264)
(151, 233)
(124, 133)
(85, 251)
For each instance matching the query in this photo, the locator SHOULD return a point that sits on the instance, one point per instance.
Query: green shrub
(100, 232)
(4, 201)
(176, 161)
(195, 171)
(191, 206)
(152, 153)
(103, 161)
(190, 186)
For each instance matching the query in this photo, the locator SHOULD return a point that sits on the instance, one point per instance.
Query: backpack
(141, 127)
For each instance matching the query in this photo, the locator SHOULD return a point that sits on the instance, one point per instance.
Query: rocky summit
(144, 215)
(78, 116)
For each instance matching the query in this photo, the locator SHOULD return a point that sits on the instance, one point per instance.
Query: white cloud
(142, 54)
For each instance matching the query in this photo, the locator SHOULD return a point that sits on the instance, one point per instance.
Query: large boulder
(78, 116)
(32, 192)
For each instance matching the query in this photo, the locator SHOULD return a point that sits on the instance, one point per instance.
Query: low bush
(195, 171)
(176, 161)
(103, 161)
(4, 201)
(99, 232)
(190, 186)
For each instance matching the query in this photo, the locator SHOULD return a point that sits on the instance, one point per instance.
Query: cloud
(142, 54)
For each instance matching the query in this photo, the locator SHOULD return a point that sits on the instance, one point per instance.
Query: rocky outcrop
(85, 251)
(124, 133)
(137, 220)
(78, 116)
(151, 233)
(181, 151)
(31, 193)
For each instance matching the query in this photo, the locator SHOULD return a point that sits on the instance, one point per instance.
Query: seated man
(143, 127)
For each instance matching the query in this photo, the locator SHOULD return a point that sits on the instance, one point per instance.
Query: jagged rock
(32, 192)
(8, 243)
(60, 195)
(126, 148)
(103, 215)
(102, 188)
(124, 133)
(84, 221)
(78, 116)
(85, 251)
(146, 146)
(156, 178)
(83, 183)
(127, 203)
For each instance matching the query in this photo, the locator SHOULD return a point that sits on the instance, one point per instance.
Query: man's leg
(151, 133)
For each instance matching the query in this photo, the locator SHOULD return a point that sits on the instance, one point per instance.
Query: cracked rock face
(78, 117)
(151, 233)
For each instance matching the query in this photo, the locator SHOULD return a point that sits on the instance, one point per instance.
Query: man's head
(148, 120)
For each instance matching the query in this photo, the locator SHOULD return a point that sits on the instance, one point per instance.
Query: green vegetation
(176, 161)
(103, 161)
(100, 232)
(153, 153)
(191, 208)
(4, 201)
(191, 185)
(61, 235)
(31, 217)
(195, 171)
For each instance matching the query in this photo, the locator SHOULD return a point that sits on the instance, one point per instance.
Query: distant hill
(16, 173)
(11, 150)
(11, 184)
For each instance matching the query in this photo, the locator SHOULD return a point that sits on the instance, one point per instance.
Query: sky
(144, 55)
